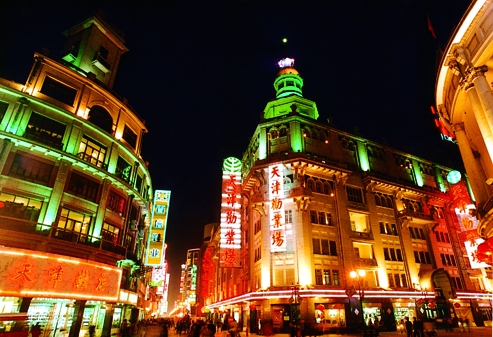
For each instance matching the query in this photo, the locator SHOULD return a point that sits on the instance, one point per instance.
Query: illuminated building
(464, 103)
(188, 282)
(318, 203)
(74, 189)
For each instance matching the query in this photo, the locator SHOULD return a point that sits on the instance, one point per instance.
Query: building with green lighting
(317, 203)
(74, 190)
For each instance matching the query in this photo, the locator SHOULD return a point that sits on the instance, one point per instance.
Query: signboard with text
(277, 217)
(26, 273)
(155, 246)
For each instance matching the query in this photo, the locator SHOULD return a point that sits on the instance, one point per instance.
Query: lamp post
(296, 300)
(359, 275)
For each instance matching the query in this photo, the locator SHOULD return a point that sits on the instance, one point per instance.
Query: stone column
(473, 172)
(80, 305)
(108, 320)
(57, 191)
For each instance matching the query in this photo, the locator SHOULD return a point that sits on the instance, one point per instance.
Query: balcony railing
(91, 160)
(47, 231)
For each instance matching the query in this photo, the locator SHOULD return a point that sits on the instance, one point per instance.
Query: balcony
(27, 234)
(92, 160)
(364, 262)
(417, 217)
(361, 235)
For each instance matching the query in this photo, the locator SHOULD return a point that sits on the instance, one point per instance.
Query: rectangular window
(115, 202)
(446, 237)
(392, 254)
(327, 276)
(92, 152)
(325, 247)
(335, 277)
(333, 249)
(74, 221)
(391, 281)
(422, 234)
(386, 254)
(443, 259)
(382, 227)
(397, 280)
(18, 207)
(452, 259)
(437, 235)
(428, 258)
(313, 216)
(83, 187)
(3, 110)
(29, 169)
(318, 277)
(138, 183)
(329, 219)
(394, 229)
(288, 215)
(416, 257)
(416, 234)
(110, 233)
(123, 169)
(354, 194)
(411, 232)
(316, 246)
(403, 281)
(59, 91)
(45, 130)
(130, 137)
(399, 254)
(321, 218)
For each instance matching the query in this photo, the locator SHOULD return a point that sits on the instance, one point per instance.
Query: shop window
(354, 194)
(59, 91)
(45, 130)
(82, 186)
(92, 152)
(129, 137)
(115, 202)
(100, 117)
(18, 207)
(32, 170)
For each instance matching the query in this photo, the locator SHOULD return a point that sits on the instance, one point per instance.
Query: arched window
(319, 187)
(274, 134)
(389, 202)
(283, 132)
(377, 200)
(322, 136)
(307, 133)
(327, 189)
(311, 184)
(314, 134)
(99, 116)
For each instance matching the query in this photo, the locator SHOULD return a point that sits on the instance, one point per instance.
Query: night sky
(201, 72)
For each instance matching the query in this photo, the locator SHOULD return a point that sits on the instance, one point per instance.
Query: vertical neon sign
(230, 241)
(155, 246)
(277, 220)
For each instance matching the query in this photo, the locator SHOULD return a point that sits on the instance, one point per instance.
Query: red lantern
(484, 248)
(321, 307)
(457, 305)
(431, 305)
(253, 307)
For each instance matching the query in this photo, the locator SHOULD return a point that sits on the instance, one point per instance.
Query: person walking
(124, 328)
(409, 327)
(36, 330)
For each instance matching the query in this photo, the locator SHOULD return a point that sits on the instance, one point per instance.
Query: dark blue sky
(201, 72)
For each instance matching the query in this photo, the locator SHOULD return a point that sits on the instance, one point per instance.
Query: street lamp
(296, 299)
(359, 275)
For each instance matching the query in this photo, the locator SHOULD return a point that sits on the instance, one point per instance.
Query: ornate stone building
(74, 189)
(318, 203)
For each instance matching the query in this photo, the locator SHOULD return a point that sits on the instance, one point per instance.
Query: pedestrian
(92, 330)
(461, 324)
(466, 321)
(124, 328)
(409, 327)
(36, 330)
(233, 328)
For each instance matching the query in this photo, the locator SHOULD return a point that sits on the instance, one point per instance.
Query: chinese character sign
(156, 241)
(230, 241)
(276, 214)
(23, 273)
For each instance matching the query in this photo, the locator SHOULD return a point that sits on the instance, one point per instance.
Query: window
(332, 248)
(403, 281)
(100, 117)
(326, 276)
(15, 206)
(59, 91)
(456, 282)
(257, 226)
(399, 254)
(74, 221)
(354, 194)
(318, 277)
(29, 169)
(130, 137)
(288, 215)
(329, 219)
(110, 233)
(335, 277)
(325, 247)
(91, 151)
(115, 202)
(391, 281)
(313, 216)
(319, 187)
(45, 130)
(123, 169)
(83, 187)
(392, 254)
(321, 218)
(138, 183)
(359, 222)
(3, 109)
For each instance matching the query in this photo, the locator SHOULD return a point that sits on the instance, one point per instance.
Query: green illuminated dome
(288, 81)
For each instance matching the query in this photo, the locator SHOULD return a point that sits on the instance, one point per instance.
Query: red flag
(430, 27)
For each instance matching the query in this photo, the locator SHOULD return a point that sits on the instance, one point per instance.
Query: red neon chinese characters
(230, 217)
(230, 240)
(275, 172)
(276, 204)
(277, 220)
(461, 198)
(277, 239)
(276, 187)
(229, 256)
(26, 269)
(56, 275)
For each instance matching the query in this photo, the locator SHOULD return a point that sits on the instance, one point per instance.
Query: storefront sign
(155, 247)
(230, 241)
(277, 217)
(29, 273)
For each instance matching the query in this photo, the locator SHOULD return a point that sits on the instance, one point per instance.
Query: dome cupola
(288, 81)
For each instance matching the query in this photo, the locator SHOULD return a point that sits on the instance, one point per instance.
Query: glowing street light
(359, 276)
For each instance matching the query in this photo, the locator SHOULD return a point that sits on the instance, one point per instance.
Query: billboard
(276, 216)
(230, 230)
(157, 233)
